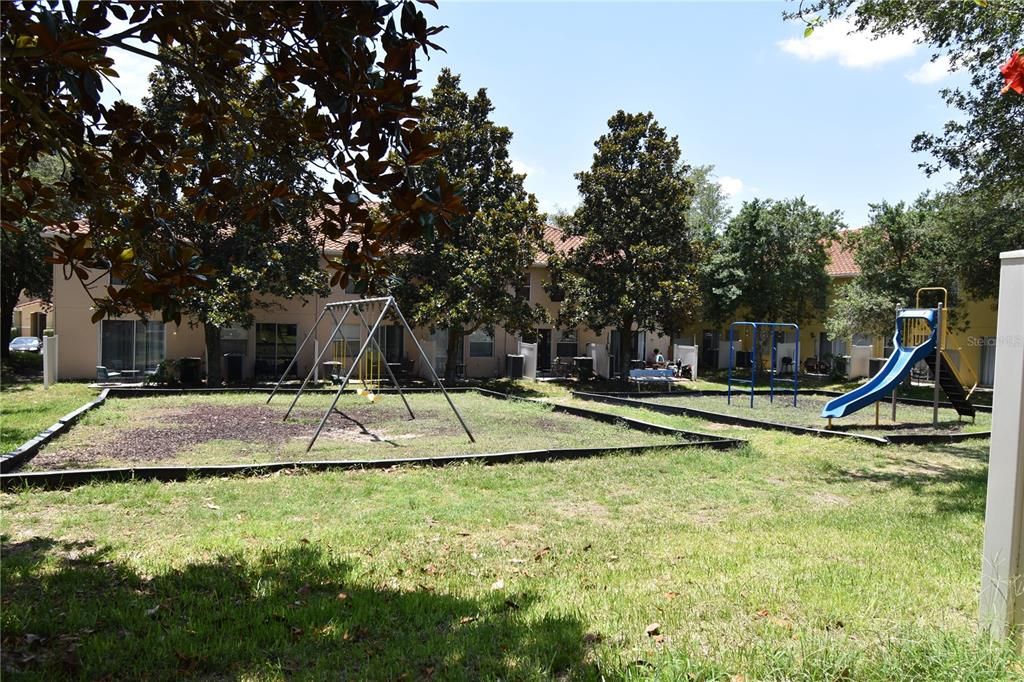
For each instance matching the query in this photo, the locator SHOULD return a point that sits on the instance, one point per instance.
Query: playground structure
(369, 366)
(773, 368)
(922, 334)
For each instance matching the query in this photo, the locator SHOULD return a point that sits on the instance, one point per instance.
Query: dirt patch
(191, 426)
(592, 511)
(823, 499)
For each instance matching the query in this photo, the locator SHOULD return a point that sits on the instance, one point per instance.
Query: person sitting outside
(659, 360)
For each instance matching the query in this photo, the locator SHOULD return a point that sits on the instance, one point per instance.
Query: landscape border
(636, 400)
(11, 478)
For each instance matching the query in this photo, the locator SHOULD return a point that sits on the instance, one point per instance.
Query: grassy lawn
(26, 409)
(807, 412)
(241, 428)
(784, 560)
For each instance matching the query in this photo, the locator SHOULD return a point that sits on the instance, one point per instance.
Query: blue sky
(830, 117)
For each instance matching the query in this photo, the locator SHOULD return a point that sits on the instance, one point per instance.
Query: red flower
(1013, 72)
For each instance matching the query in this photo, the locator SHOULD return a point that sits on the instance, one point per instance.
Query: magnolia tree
(250, 263)
(355, 63)
(468, 280)
(636, 264)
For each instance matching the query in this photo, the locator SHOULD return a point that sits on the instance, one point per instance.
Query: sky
(830, 117)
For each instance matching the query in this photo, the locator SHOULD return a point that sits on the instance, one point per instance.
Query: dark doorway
(709, 349)
(543, 350)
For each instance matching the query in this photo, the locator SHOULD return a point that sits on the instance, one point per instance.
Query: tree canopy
(468, 280)
(896, 252)
(770, 262)
(982, 142)
(356, 62)
(249, 264)
(635, 267)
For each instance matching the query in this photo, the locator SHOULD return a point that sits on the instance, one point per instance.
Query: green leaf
(808, 31)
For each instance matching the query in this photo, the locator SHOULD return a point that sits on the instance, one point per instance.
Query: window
(131, 345)
(392, 341)
(861, 339)
(346, 343)
(275, 348)
(566, 346)
(481, 344)
(234, 340)
(523, 290)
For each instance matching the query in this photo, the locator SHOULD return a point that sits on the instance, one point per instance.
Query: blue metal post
(796, 365)
(771, 369)
(753, 366)
(732, 329)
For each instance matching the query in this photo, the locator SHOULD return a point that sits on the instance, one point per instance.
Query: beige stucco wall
(80, 338)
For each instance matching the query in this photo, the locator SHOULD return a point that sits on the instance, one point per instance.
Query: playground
(237, 428)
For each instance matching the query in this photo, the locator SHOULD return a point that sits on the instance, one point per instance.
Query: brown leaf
(541, 553)
(671, 595)
(468, 619)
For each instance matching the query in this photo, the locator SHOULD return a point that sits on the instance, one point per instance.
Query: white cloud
(520, 166)
(855, 50)
(731, 186)
(931, 71)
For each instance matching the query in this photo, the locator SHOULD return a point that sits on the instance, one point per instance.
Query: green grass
(27, 409)
(807, 412)
(241, 428)
(781, 561)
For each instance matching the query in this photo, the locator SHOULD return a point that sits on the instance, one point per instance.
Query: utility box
(529, 353)
(514, 366)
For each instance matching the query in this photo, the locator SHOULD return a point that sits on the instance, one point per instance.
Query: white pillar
(1002, 582)
(49, 361)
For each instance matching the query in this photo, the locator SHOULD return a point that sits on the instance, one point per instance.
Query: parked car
(28, 344)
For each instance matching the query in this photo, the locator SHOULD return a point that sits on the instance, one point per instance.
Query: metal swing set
(369, 365)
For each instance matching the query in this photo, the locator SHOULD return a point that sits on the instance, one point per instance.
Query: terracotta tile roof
(840, 260)
(559, 241)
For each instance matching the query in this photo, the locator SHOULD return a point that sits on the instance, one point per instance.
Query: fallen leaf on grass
(498, 585)
(653, 629)
(541, 553)
(429, 569)
(152, 612)
(342, 596)
(671, 595)
(211, 505)
(468, 619)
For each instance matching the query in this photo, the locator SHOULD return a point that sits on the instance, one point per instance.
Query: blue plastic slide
(895, 370)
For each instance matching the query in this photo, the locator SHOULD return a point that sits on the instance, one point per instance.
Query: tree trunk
(7, 320)
(214, 360)
(452, 353)
(625, 347)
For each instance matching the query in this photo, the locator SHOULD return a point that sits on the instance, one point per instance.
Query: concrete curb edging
(718, 417)
(73, 477)
(11, 461)
(763, 393)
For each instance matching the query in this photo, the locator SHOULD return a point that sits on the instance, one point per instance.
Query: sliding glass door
(132, 345)
(275, 348)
